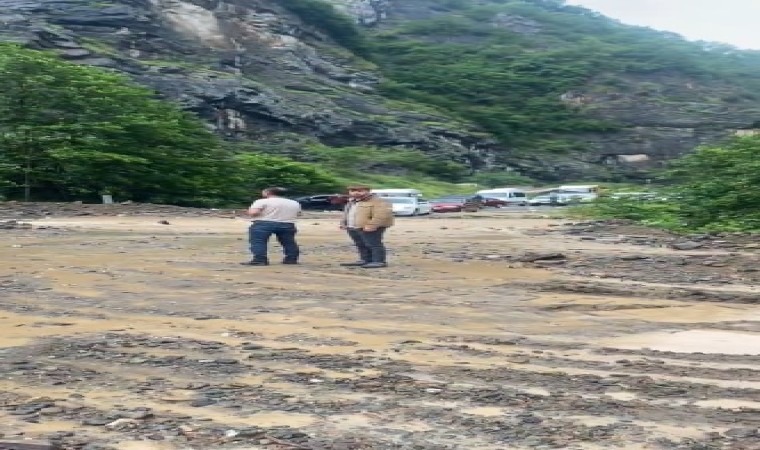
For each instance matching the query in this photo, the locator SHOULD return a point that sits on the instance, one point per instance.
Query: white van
(578, 193)
(397, 192)
(512, 196)
(409, 206)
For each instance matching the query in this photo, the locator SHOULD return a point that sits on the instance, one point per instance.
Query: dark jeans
(262, 230)
(369, 244)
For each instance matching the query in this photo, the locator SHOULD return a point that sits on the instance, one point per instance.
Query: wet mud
(486, 332)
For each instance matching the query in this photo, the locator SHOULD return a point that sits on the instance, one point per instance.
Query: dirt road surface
(487, 332)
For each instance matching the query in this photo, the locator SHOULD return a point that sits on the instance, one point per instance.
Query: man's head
(358, 191)
(273, 192)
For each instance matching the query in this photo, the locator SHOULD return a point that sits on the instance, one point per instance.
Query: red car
(494, 202)
(453, 204)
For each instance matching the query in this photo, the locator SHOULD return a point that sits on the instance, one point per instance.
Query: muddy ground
(134, 328)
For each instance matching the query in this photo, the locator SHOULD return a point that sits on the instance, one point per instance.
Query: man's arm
(382, 212)
(344, 217)
(256, 208)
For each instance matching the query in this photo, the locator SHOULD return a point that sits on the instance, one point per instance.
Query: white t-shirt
(277, 209)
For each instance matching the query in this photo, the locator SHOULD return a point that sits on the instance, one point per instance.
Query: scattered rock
(743, 432)
(533, 257)
(686, 245)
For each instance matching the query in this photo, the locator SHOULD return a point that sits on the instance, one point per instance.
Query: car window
(400, 200)
(517, 194)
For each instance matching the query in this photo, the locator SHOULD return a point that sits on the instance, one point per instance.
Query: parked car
(512, 196)
(409, 206)
(492, 202)
(444, 205)
(547, 200)
(323, 202)
(578, 193)
(455, 203)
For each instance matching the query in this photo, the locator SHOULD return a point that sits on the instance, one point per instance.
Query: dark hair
(275, 191)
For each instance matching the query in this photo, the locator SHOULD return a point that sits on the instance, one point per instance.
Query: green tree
(713, 189)
(255, 172)
(719, 187)
(75, 131)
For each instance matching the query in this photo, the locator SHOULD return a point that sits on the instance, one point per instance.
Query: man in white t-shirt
(273, 215)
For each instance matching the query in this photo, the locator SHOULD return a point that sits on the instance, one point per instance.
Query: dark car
(488, 202)
(323, 202)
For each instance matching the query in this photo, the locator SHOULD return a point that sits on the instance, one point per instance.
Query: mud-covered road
(487, 332)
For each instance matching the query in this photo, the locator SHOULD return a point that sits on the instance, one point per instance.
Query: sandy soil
(125, 333)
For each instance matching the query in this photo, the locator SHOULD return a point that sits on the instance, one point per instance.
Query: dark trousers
(262, 230)
(369, 244)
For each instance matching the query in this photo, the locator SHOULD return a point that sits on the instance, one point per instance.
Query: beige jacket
(373, 211)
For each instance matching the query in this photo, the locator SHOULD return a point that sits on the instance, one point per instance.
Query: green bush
(255, 172)
(349, 161)
(713, 189)
(719, 187)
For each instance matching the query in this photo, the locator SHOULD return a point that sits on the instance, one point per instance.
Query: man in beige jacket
(365, 218)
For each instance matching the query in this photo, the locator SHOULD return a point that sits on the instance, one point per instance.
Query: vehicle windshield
(401, 200)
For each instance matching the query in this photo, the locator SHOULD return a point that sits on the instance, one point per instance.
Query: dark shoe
(287, 261)
(254, 263)
(354, 264)
(374, 265)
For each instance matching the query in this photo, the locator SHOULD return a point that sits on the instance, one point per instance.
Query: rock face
(661, 114)
(249, 67)
(256, 71)
(366, 12)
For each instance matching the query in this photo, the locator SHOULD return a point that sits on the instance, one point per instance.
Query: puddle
(686, 314)
(675, 431)
(692, 341)
(622, 396)
(593, 421)
(484, 411)
(536, 391)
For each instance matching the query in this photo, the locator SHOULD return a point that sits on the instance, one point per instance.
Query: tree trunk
(27, 181)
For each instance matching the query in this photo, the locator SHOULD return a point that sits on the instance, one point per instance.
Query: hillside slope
(251, 67)
(550, 91)
(569, 92)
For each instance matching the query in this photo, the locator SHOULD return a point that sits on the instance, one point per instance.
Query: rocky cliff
(250, 67)
(257, 71)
